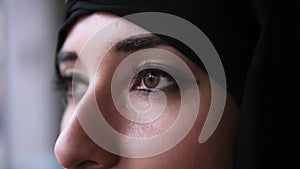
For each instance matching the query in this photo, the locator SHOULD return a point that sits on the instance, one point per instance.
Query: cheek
(188, 153)
(139, 102)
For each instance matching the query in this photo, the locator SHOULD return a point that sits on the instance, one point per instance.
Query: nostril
(90, 165)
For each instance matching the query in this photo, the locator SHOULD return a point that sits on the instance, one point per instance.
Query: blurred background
(29, 105)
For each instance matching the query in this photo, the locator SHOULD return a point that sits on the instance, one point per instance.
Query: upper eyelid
(166, 68)
(150, 65)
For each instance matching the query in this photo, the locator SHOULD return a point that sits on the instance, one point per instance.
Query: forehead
(85, 28)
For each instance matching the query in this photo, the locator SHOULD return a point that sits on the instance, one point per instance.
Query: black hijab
(239, 30)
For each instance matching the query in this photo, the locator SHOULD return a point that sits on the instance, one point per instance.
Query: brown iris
(151, 79)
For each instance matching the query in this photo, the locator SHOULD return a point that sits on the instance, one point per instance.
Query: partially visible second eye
(153, 80)
(78, 90)
(74, 87)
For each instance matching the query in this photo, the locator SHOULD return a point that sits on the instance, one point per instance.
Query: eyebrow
(66, 56)
(136, 43)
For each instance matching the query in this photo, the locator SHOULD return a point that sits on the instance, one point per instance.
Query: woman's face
(144, 79)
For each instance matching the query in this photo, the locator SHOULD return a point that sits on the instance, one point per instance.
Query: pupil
(151, 78)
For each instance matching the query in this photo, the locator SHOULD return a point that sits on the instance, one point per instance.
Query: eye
(73, 87)
(78, 89)
(153, 80)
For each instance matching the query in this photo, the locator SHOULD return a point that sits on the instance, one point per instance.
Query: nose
(74, 149)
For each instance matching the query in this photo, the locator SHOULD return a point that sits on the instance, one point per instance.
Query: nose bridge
(74, 147)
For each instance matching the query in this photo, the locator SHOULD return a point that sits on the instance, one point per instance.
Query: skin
(75, 149)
